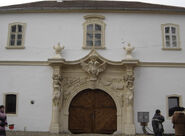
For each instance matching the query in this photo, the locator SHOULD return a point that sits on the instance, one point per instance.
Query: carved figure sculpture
(129, 81)
(57, 89)
(129, 98)
(93, 67)
(58, 50)
(56, 97)
(128, 48)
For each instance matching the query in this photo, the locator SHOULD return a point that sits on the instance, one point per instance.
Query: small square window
(20, 28)
(167, 30)
(13, 28)
(97, 27)
(173, 30)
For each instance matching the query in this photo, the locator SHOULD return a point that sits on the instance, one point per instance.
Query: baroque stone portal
(96, 73)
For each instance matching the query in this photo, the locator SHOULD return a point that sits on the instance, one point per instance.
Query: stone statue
(128, 48)
(56, 97)
(129, 98)
(58, 50)
(57, 89)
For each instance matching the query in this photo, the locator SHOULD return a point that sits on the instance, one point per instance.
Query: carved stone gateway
(96, 73)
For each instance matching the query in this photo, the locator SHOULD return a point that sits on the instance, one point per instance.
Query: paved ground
(21, 133)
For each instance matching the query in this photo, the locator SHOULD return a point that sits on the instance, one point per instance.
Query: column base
(130, 129)
(54, 128)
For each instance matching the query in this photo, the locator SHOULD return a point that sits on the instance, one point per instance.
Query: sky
(165, 2)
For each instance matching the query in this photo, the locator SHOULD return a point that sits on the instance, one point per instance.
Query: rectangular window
(173, 103)
(16, 35)
(94, 32)
(171, 36)
(10, 103)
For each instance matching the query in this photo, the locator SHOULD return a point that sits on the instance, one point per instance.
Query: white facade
(43, 31)
(153, 82)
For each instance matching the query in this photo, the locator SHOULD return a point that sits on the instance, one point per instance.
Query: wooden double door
(92, 111)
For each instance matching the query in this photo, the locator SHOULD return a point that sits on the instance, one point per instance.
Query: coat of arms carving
(93, 66)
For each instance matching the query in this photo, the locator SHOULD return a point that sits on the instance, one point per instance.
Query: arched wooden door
(92, 111)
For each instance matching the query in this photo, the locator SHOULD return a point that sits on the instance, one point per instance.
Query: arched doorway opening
(92, 111)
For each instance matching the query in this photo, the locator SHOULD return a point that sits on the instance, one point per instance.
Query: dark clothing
(157, 121)
(3, 123)
(179, 123)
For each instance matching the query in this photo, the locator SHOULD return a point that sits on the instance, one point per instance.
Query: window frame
(94, 19)
(4, 101)
(167, 104)
(16, 33)
(163, 26)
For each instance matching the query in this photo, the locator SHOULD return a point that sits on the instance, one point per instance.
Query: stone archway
(92, 111)
(93, 71)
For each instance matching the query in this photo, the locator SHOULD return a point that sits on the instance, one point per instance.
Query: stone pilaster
(129, 101)
(56, 99)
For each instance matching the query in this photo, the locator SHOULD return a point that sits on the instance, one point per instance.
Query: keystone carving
(93, 67)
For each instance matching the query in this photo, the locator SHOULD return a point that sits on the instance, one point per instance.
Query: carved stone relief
(57, 90)
(70, 83)
(93, 67)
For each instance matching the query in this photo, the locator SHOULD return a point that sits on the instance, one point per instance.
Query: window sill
(95, 47)
(15, 47)
(175, 49)
(11, 115)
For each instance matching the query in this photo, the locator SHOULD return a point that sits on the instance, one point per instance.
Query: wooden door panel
(83, 99)
(80, 120)
(103, 100)
(92, 111)
(105, 120)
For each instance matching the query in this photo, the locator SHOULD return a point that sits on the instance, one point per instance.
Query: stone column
(56, 100)
(129, 101)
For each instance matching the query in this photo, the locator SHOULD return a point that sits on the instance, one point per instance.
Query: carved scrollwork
(93, 67)
(70, 84)
(115, 83)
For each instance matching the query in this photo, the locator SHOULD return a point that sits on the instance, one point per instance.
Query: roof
(93, 6)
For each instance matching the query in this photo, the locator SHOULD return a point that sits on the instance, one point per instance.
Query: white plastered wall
(29, 83)
(152, 85)
(45, 30)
